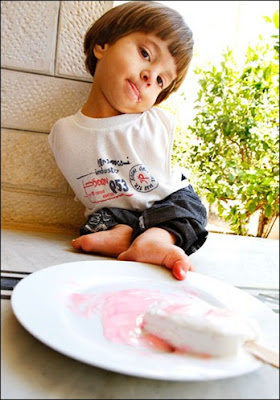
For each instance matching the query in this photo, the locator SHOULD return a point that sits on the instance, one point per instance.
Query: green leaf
(231, 178)
(268, 211)
(270, 198)
(252, 206)
(276, 19)
(267, 19)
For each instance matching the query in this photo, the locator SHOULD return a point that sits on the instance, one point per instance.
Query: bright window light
(216, 26)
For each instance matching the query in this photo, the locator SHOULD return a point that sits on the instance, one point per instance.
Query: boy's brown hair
(146, 17)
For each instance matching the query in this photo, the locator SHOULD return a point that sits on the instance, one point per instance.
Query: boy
(115, 151)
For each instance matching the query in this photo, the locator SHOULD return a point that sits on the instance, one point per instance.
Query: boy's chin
(133, 110)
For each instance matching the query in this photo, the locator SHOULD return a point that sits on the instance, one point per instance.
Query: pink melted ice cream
(121, 313)
(156, 321)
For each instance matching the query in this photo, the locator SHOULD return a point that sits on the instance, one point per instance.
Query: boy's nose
(147, 77)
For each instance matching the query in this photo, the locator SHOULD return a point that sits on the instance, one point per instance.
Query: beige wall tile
(26, 209)
(27, 162)
(35, 195)
(74, 20)
(33, 102)
(28, 35)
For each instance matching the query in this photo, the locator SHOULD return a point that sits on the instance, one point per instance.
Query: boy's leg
(110, 243)
(169, 232)
(157, 246)
(108, 232)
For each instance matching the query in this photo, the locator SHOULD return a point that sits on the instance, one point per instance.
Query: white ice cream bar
(196, 326)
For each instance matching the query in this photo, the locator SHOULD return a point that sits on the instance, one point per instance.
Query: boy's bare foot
(156, 246)
(108, 243)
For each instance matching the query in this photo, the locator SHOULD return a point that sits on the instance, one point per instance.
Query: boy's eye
(145, 54)
(160, 81)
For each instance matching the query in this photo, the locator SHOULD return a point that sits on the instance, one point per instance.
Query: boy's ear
(99, 50)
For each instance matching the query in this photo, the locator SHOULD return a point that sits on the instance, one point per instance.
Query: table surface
(32, 370)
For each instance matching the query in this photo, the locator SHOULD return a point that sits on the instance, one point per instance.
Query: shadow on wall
(43, 79)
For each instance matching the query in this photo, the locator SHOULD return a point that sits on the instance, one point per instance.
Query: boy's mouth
(134, 90)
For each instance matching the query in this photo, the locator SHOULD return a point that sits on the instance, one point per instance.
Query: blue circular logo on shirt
(141, 179)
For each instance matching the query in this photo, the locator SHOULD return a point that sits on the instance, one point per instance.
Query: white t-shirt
(121, 161)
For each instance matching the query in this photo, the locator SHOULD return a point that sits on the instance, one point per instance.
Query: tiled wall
(43, 79)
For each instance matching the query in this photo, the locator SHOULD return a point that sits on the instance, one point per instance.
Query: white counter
(34, 371)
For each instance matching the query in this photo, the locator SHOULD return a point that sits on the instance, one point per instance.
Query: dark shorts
(181, 213)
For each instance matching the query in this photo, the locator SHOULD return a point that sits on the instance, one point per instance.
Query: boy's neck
(95, 107)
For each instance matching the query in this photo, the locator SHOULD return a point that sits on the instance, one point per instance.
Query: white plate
(41, 304)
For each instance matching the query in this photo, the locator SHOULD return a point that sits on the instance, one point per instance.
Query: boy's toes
(124, 256)
(76, 243)
(84, 243)
(178, 262)
(180, 268)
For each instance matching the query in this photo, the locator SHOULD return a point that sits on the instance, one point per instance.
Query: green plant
(234, 149)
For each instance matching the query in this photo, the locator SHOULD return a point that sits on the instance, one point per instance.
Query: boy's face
(131, 73)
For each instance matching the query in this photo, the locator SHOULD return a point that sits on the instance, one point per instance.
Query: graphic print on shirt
(103, 186)
(109, 181)
(141, 179)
